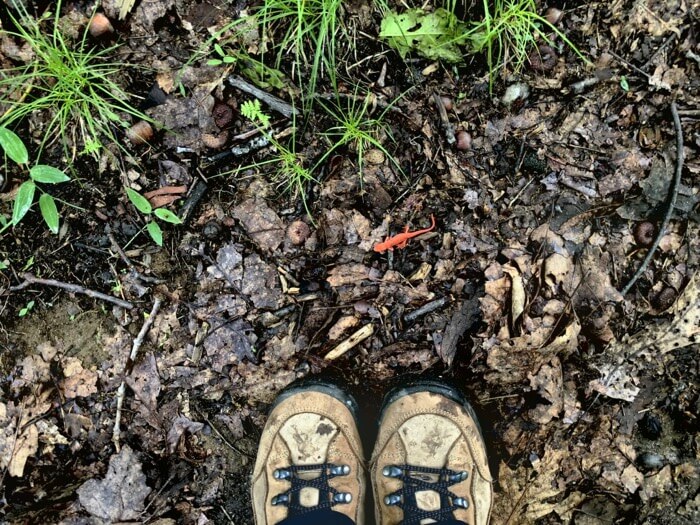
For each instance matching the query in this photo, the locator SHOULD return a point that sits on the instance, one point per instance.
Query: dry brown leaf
(77, 382)
(348, 274)
(120, 496)
(26, 445)
(618, 367)
(549, 385)
(261, 222)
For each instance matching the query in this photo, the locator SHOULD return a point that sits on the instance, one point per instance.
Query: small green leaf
(155, 232)
(139, 201)
(47, 174)
(219, 49)
(13, 146)
(23, 201)
(167, 216)
(49, 212)
(214, 62)
(624, 84)
(24, 311)
(229, 60)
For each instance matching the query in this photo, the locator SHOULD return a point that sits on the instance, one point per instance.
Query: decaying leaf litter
(548, 195)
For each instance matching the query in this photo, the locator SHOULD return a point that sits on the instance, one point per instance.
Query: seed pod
(211, 230)
(298, 232)
(222, 114)
(553, 15)
(464, 140)
(140, 133)
(100, 25)
(664, 299)
(644, 233)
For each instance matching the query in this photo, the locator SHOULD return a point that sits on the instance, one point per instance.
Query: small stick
(196, 194)
(30, 279)
(449, 128)
(275, 103)
(127, 370)
(351, 342)
(672, 203)
(426, 309)
(127, 261)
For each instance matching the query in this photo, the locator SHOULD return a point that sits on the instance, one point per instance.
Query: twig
(275, 103)
(658, 50)
(198, 191)
(30, 279)
(446, 125)
(629, 64)
(221, 436)
(426, 309)
(127, 261)
(351, 342)
(127, 370)
(672, 201)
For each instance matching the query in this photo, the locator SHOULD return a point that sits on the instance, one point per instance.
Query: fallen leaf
(180, 425)
(145, 382)
(77, 381)
(120, 496)
(261, 223)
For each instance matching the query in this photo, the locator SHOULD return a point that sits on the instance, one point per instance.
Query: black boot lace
(327, 495)
(416, 479)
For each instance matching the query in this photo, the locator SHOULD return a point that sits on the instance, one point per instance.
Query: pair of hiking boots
(429, 463)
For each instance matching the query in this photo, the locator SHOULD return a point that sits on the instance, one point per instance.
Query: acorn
(553, 15)
(100, 25)
(464, 140)
(447, 103)
(140, 133)
(644, 233)
(298, 232)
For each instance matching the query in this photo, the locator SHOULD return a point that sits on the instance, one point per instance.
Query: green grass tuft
(72, 82)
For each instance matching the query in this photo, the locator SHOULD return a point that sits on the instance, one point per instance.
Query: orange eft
(400, 240)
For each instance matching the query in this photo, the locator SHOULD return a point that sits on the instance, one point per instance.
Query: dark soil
(588, 398)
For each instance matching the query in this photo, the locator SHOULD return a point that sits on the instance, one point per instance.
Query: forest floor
(547, 192)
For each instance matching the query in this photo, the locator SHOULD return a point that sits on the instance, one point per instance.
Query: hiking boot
(429, 462)
(310, 456)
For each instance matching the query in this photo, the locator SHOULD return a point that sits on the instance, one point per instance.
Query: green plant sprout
(14, 148)
(507, 33)
(70, 80)
(357, 129)
(141, 204)
(291, 173)
(224, 58)
(28, 308)
(306, 30)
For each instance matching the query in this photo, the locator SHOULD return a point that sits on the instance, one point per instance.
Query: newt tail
(400, 240)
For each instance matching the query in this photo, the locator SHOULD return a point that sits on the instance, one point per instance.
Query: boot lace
(327, 495)
(415, 479)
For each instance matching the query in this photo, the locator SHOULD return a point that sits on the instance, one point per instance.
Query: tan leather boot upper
(306, 429)
(426, 429)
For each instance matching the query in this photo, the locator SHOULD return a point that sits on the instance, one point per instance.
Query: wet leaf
(139, 201)
(167, 216)
(120, 496)
(13, 146)
(49, 212)
(47, 174)
(155, 232)
(23, 201)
